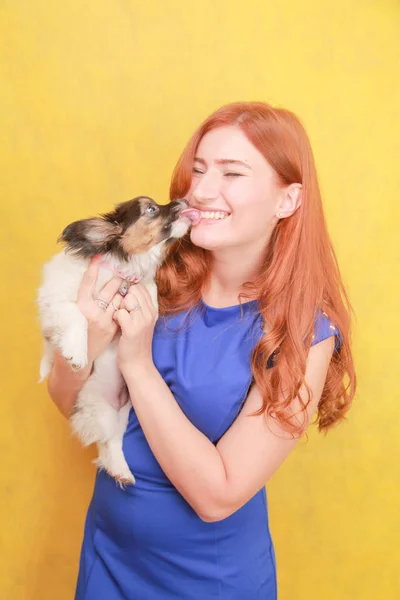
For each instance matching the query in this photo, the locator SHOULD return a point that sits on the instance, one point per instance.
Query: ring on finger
(133, 301)
(102, 303)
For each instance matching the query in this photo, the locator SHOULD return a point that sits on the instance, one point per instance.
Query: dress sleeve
(324, 329)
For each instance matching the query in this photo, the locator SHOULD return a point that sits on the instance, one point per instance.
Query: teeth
(214, 215)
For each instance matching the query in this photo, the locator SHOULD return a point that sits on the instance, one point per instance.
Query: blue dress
(146, 542)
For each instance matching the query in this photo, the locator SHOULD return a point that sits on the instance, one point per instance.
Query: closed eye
(225, 174)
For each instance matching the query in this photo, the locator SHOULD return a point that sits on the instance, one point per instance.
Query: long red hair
(299, 276)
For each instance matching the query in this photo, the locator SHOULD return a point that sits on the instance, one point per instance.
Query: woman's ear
(294, 193)
(291, 200)
(89, 237)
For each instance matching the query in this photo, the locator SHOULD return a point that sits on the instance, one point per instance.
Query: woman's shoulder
(324, 328)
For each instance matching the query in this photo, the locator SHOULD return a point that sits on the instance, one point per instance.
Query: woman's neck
(228, 272)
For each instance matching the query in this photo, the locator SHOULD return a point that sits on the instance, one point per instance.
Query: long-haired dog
(132, 240)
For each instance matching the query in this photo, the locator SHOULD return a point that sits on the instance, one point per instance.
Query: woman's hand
(101, 325)
(137, 317)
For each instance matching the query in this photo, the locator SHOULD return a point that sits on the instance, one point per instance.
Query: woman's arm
(215, 480)
(64, 384)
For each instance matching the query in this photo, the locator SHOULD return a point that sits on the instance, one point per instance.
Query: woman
(252, 342)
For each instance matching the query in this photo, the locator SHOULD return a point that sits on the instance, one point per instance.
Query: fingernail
(123, 288)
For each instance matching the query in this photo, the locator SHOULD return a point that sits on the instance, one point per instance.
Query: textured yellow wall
(98, 99)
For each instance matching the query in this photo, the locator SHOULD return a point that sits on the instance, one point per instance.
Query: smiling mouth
(217, 215)
(195, 215)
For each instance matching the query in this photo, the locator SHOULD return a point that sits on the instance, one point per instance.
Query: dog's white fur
(102, 409)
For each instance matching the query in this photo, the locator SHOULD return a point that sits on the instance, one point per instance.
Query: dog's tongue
(193, 214)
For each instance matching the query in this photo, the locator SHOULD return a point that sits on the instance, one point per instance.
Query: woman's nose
(206, 189)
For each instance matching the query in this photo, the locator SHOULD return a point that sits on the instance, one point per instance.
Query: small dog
(132, 240)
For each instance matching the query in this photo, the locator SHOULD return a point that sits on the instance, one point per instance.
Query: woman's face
(236, 189)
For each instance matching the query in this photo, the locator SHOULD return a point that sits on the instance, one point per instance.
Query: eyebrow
(225, 161)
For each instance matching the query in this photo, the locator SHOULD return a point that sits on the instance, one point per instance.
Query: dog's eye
(151, 208)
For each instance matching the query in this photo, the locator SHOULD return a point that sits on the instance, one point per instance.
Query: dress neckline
(232, 308)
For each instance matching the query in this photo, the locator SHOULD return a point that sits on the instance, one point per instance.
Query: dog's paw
(115, 467)
(77, 363)
(73, 347)
(123, 480)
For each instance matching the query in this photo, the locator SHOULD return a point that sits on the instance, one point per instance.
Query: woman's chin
(205, 239)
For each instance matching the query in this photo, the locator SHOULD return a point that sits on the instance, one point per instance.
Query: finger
(115, 304)
(148, 310)
(122, 317)
(131, 301)
(89, 279)
(144, 298)
(109, 290)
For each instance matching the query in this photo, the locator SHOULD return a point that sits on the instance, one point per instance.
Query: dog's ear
(89, 237)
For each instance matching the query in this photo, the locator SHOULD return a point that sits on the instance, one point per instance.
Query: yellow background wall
(97, 101)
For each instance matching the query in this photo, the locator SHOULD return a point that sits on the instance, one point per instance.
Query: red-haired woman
(252, 342)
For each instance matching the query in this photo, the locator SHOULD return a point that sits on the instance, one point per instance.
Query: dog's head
(134, 227)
